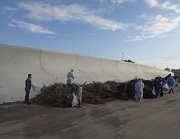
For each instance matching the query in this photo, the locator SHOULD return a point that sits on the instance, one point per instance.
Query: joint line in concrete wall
(43, 69)
(77, 62)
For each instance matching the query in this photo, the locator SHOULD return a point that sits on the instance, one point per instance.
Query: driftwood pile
(57, 94)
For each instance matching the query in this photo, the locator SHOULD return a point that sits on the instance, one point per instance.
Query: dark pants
(171, 90)
(27, 96)
(161, 91)
(158, 92)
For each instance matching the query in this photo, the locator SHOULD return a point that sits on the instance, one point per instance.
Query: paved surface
(150, 119)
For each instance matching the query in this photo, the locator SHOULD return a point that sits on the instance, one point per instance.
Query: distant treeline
(129, 61)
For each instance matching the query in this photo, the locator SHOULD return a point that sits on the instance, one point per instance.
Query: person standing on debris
(28, 88)
(139, 90)
(70, 79)
(170, 82)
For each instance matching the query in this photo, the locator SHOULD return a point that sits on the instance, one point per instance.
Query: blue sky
(145, 31)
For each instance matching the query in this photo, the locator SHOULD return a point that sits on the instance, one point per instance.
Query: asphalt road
(149, 119)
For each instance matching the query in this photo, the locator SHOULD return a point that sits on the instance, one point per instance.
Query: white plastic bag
(34, 86)
(74, 100)
(165, 88)
(141, 95)
(153, 90)
(79, 94)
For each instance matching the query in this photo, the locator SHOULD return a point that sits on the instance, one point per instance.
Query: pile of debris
(96, 92)
(56, 94)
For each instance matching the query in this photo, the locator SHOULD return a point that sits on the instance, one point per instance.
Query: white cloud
(166, 5)
(74, 12)
(166, 35)
(9, 9)
(152, 3)
(121, 1)
(144, 16)
(30, 27)
(157, 26)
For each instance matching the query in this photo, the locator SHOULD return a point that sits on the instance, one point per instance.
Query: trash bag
(141, 95)
(153, 90)
(165, 88)
(74, 100)
(34, 86)
(79, 94)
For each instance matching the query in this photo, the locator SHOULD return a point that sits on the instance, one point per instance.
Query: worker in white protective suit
(70, 77)
(73, 86)
(139, 90)
(77, 96)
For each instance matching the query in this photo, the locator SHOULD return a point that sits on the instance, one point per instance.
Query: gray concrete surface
(149, 119)
(48, 67)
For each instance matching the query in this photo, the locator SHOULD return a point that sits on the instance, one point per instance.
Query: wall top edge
(57, 52)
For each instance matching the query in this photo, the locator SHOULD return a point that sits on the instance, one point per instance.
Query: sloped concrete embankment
(48, 67)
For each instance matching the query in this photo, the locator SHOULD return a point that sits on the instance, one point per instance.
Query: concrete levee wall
(48, 67)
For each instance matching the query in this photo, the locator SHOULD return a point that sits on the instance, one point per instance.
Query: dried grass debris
(58, 94)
